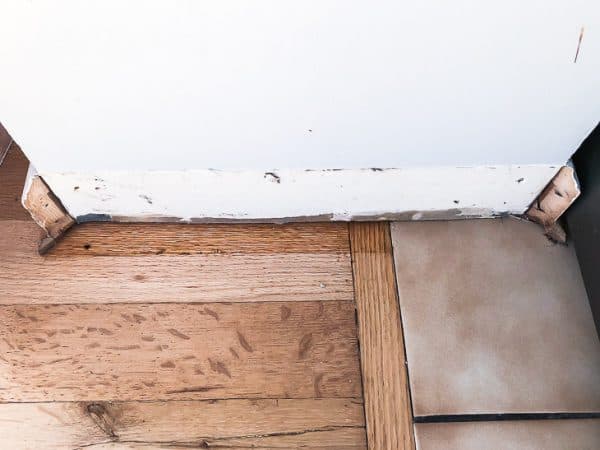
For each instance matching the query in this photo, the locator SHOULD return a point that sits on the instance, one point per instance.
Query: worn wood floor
(202, 335)
(166, 335)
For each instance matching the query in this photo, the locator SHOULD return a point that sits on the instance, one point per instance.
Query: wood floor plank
(27, 278)
(230, 445)
(178, 351)
(19, 238)
(196, 278)
(12, 178)
(281, 423)
(128, 239)
(385, 379)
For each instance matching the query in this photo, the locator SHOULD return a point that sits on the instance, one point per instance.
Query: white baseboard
(300, 195)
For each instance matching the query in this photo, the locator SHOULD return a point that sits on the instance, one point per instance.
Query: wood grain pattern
(19, 238)
(278, 374)
(230, 445)
(196, 278)
(334, 423)
(13, 171)
(46, 209)
(126, 239)
(556, 198)
(178, 351)
(62, 278)
(385, 379)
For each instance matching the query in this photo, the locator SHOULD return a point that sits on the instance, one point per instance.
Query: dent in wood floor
(302, 354)
(179, 351)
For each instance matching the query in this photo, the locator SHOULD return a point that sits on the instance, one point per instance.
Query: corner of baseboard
(45, 209)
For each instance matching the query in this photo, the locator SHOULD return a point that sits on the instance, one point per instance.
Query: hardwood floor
(180, 351)
(146, 335)
(68, 275)
(168, 335)
(12, 177)
(234, 423)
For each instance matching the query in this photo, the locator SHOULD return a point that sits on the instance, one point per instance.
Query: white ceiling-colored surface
(188, 84)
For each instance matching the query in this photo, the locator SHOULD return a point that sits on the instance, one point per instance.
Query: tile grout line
(486, 417)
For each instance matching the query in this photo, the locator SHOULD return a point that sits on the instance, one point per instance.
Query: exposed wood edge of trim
(45, 209)
(4, 152)
(388, 409)
(553, 201)
(5, 143)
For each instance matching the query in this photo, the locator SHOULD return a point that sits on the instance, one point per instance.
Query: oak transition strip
(384, 374)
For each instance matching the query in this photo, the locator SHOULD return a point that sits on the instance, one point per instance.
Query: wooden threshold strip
(385, 379)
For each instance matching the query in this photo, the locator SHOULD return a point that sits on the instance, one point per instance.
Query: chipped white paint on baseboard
(283, 195)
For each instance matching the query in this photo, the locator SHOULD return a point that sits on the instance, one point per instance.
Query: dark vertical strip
(583, 218)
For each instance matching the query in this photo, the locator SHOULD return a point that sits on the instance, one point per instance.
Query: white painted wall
(229, 84)
(122, 86)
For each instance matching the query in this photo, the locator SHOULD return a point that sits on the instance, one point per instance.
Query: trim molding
(45, 209)
(300, 195)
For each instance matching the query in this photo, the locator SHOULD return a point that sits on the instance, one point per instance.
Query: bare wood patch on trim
(47, 211)
(385, 379)
(554, 200)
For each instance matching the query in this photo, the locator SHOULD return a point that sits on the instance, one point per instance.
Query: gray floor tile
(496, 319)
(572, 434)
